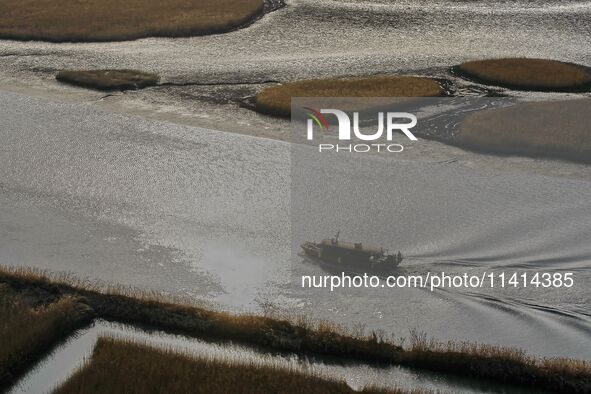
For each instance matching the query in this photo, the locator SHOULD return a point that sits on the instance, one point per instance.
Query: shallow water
(206, 215)
(453, 219)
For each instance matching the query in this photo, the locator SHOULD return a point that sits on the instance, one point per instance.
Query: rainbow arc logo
(317, 117)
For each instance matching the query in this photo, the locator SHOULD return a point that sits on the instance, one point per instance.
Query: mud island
(108, 79)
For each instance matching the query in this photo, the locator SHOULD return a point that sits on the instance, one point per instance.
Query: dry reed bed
(548, 129)
(504, 364)
(123, 366)
(114, 20)
(27, 333)
(108, 79)
(143, 309)
(471, 360)
(276, 100)
(527, 74)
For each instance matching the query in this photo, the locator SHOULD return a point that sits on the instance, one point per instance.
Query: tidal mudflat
(146, 188)
(205, 79)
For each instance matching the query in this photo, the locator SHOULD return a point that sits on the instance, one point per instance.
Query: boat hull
(349, 259)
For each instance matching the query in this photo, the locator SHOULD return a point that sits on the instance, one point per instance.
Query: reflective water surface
(192, 211)
(206, 215)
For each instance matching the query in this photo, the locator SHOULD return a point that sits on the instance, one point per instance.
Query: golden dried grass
(508, 365)
(26, 332)
(503, 364)
(276, 100)
(136, 307)
(115, 20)
(123, 366)
(528, 74)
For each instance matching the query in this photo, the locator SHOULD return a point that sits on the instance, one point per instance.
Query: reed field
(145, 309)
(506, 365)
(112, 20)
(527, 74)
(503, 364)
(27, 332)
(124, 366)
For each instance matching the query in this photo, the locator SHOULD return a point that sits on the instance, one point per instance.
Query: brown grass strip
(528, 74)
(116, 20)
(276, 100)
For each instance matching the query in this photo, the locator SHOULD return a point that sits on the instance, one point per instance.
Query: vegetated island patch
(114, 20)
(527, 74)
(108, 79)
(558, 129)
(123, 365)
(276, 100)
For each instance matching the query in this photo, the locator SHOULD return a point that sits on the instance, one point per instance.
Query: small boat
(351, 255)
